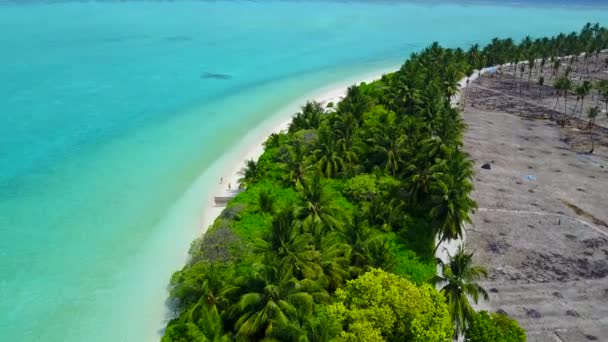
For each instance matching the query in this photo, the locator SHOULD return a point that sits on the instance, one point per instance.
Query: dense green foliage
(347, 195)
(383, 306)
(494, 327)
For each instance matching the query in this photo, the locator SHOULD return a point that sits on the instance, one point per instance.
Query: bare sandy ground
(541, 228)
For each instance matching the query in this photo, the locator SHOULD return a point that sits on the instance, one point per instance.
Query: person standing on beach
(221, 180)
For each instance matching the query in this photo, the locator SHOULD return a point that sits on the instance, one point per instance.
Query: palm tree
(480, 65)
(335, 261)
(266, 202)
(388, 144)
(592, 114)
(423, 171)
(531, 66)
(250, 174)
(201, 323)
(566, 86)
(273, 300)
(344, 130)
(274, 140)
(450, 83)
(446, 127)
(209, 286)
(501, 71)
(604, 92)
(543, 61)
(578, 92)
(562, 85)
(401, 97)
(522, 69)
(294, 161)
(307, 324)
(458, 283)
(344, 126)
(573, 59)
(516, 57)
(600, 87)
(327, 152)
(293, 248)
(556, 62)
(355, 102)
(450, 199)
(582, 91)
(310, 117)
(469, 73)
(318, 211)
(358, 236)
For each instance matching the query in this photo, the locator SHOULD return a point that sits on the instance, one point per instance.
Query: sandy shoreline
(251, 146)
(196, 209)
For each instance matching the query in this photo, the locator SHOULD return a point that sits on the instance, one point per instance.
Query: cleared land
(542, 224)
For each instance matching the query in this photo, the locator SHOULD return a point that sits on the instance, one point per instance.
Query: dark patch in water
(210, 75)
(178, 39)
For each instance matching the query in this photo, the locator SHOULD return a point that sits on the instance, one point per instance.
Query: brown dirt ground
(542, 224)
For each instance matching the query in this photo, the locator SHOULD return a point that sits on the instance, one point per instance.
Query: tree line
(334, 235)
(553, 60)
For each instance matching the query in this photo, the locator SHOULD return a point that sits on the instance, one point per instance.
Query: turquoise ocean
(114, 117)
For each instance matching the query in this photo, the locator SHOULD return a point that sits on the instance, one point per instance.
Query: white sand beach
(250, 147)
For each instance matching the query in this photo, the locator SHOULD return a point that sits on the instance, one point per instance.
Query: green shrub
(494, 327)
(361, 188)
(385, 307)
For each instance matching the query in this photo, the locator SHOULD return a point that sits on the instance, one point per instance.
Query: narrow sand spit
(542, 224)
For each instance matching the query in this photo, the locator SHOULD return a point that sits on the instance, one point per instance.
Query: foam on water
(114, 116)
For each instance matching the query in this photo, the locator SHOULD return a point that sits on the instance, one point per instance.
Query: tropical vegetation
(334, 234)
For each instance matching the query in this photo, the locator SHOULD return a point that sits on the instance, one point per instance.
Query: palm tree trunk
(440, 236)
(591, 137)
(514, 76)
(597, 55)
(501, 75)
(565, 109)
(466, 90)
(556, 102)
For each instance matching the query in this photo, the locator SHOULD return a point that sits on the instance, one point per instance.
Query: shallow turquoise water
(109, 112)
